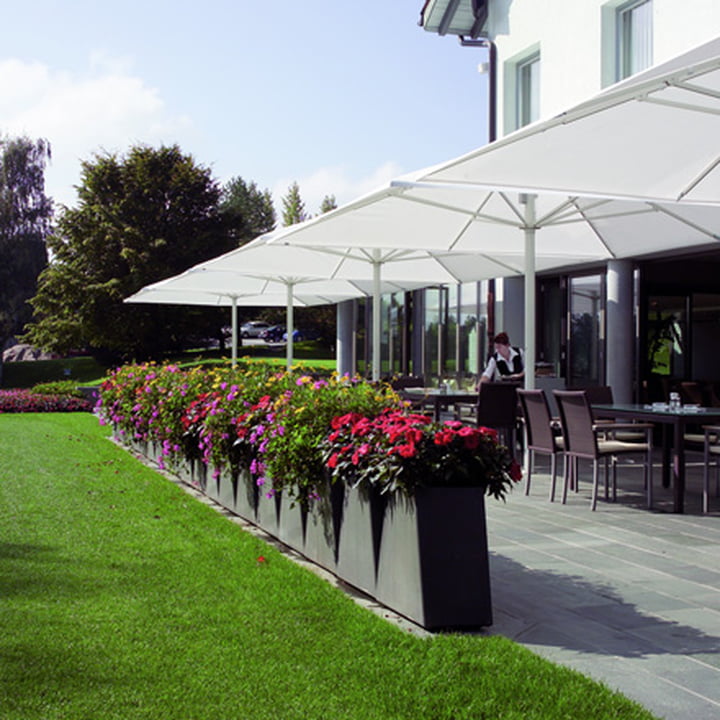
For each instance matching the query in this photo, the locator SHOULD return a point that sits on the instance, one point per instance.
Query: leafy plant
(396, 451)
(58, 387)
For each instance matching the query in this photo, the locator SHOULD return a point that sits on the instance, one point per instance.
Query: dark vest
(502, 366)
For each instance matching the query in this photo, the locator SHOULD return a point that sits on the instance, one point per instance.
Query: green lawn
(85, 370)
(123, 597)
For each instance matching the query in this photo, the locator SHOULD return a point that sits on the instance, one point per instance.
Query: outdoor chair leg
(614, 479)
(607, 490)
(530, 457)
(567, 477)
(706, 480)
(595, 485)
(553, 473)
(648, 480)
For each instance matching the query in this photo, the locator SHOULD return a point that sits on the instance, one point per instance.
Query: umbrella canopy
(359, 269)
(260, 274)
(654, 136)
(631, 172)
(480, 232)
(225, 288)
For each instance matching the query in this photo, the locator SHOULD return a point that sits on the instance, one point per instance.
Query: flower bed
(17, 401)
(342, 471)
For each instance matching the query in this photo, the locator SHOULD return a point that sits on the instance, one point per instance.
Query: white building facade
(640, 325)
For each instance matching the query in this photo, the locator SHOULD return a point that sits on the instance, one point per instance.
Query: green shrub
(65, 388)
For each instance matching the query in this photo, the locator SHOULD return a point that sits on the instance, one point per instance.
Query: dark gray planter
(268, 510)
(292, 524)
(212, 485)
(246, 496)
(227, 489)
(360, 536)
(433, 563)
(322, 530)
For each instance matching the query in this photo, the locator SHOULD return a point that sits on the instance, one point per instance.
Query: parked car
(274, 334)
(300, 334)
(253, 328)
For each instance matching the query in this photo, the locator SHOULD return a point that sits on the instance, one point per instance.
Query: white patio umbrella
(167, 293)
(480, 232)
(371, 270)
(261, 274)
(654, 136)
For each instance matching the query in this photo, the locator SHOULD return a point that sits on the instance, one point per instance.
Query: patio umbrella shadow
(545, 608)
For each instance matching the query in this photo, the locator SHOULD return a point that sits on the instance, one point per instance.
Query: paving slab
(626, 595)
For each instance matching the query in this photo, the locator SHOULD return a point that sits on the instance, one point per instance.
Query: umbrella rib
(682, 105)
(591, 225)
(700, 177)
(685, 221)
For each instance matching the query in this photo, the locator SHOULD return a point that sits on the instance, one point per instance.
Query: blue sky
(337, 95)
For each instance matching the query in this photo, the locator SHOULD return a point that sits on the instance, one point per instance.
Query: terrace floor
(627, 596)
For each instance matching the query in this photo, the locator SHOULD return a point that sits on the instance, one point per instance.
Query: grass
(123, 597)
(85, 370)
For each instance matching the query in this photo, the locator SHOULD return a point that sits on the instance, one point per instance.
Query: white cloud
(333, 181)
(107, 109)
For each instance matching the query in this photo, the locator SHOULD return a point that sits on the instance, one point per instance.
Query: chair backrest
(577, 422)
(599, 394)
(407, 381)
(692, 392)
(537, 419)
(497, 404)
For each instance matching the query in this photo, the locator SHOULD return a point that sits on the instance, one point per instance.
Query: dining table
(440, 398)
(674, 420)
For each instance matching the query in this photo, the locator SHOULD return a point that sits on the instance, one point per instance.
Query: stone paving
(627, 596)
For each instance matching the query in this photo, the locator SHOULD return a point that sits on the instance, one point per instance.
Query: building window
(528, 90)
(634, 38)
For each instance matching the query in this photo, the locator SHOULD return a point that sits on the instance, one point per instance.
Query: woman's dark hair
(502, 338)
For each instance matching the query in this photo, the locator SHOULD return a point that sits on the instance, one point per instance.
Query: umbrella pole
(289, 326)
(529, 228)
(233, 323)
(376, 317)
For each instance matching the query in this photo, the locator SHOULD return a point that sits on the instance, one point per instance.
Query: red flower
(443, 437)
(333, 460)
(407, 451)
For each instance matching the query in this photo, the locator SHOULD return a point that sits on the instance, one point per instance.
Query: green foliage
(140, 218)
(26, 374)
(123, 598)
(293, 206)
(247, 211)
(25, 214)
(58, 387)
(329, 203)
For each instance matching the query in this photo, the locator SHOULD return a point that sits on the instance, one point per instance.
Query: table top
(437, 392)
(660, 410)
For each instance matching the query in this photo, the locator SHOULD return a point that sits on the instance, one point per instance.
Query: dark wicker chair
(585, 440)
(541, 433)
(497, 408)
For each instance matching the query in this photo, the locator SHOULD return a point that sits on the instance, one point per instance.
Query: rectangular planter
(268, 511)
(360, 535)
(322, 530)
(433, 562)
(246, 496)
(292, 523)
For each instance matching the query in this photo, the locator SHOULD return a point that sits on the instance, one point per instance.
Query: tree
(293, 206)
(139, 219)
(247, 211)
(329, 203)
(25, 216)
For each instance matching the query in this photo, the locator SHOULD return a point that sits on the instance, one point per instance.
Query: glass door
(586, 329)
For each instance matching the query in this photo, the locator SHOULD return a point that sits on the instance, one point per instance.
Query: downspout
(485, 42)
